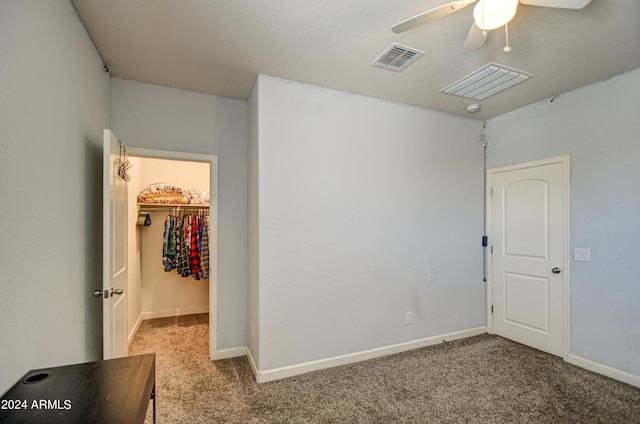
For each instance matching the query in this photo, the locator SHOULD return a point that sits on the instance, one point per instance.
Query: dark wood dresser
(114, 391)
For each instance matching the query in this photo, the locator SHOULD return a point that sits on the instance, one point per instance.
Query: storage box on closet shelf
(162, 193)
(163, 196)
(198, 197)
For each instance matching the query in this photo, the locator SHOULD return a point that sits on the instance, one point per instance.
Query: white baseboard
(133, 330)
(175, 312)
(232, 352)
(289, 371)
(252, 363)
(605, 370)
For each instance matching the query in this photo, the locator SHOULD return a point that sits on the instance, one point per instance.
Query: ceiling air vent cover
(486, 81)
(397, 58)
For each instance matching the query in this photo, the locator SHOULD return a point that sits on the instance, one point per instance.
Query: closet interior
(169, 262)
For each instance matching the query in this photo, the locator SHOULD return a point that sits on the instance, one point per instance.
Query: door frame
(212, 160)
(566, 266)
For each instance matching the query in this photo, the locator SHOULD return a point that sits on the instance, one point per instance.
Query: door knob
(555, 270)
(97, 293)
(116, 291)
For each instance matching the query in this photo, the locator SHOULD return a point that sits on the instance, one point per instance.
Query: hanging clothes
(186, 245)
(194, 249)
(177, 226)
(204, 250)
(185, 234)
(167, 244)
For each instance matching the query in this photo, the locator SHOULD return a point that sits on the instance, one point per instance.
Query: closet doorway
(152, 292)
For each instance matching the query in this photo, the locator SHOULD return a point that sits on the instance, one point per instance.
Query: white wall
(365, 209)
(154, 117)
(54, 103)
(167, 293)
(253, 207)
(598, 126)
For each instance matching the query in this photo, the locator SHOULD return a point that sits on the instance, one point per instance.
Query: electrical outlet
(408, 318)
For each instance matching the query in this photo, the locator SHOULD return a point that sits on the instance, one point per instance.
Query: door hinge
(491, 308)
(492, 250)
(491, 191)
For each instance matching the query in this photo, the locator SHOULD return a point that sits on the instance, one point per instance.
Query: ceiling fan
(487, 15)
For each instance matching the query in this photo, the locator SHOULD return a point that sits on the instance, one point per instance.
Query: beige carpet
(483, 379)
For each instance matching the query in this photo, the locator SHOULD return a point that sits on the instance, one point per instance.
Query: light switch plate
(582, 254)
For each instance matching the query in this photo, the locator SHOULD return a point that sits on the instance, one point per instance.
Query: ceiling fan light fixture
(492, 14)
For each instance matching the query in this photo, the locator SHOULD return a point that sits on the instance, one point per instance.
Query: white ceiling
(219, 46)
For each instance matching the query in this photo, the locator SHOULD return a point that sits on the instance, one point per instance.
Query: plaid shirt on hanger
(204, 252)
(186, 246)
(194, 253)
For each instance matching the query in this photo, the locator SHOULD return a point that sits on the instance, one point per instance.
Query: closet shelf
(171, 206)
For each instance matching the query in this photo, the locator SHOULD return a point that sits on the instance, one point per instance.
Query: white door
(529, 208)
(114, 251)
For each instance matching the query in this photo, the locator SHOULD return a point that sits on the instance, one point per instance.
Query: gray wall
(54, 103)
(253, 222)
(154, 117)
(598, 126)
(366, 209)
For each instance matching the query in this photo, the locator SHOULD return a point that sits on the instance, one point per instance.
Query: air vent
(397, 58)
(486, 81)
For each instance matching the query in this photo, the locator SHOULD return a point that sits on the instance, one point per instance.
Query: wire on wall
(483, 141)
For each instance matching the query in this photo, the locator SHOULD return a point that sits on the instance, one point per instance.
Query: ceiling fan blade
(430, 15)
(475, 38)
(559, 4)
